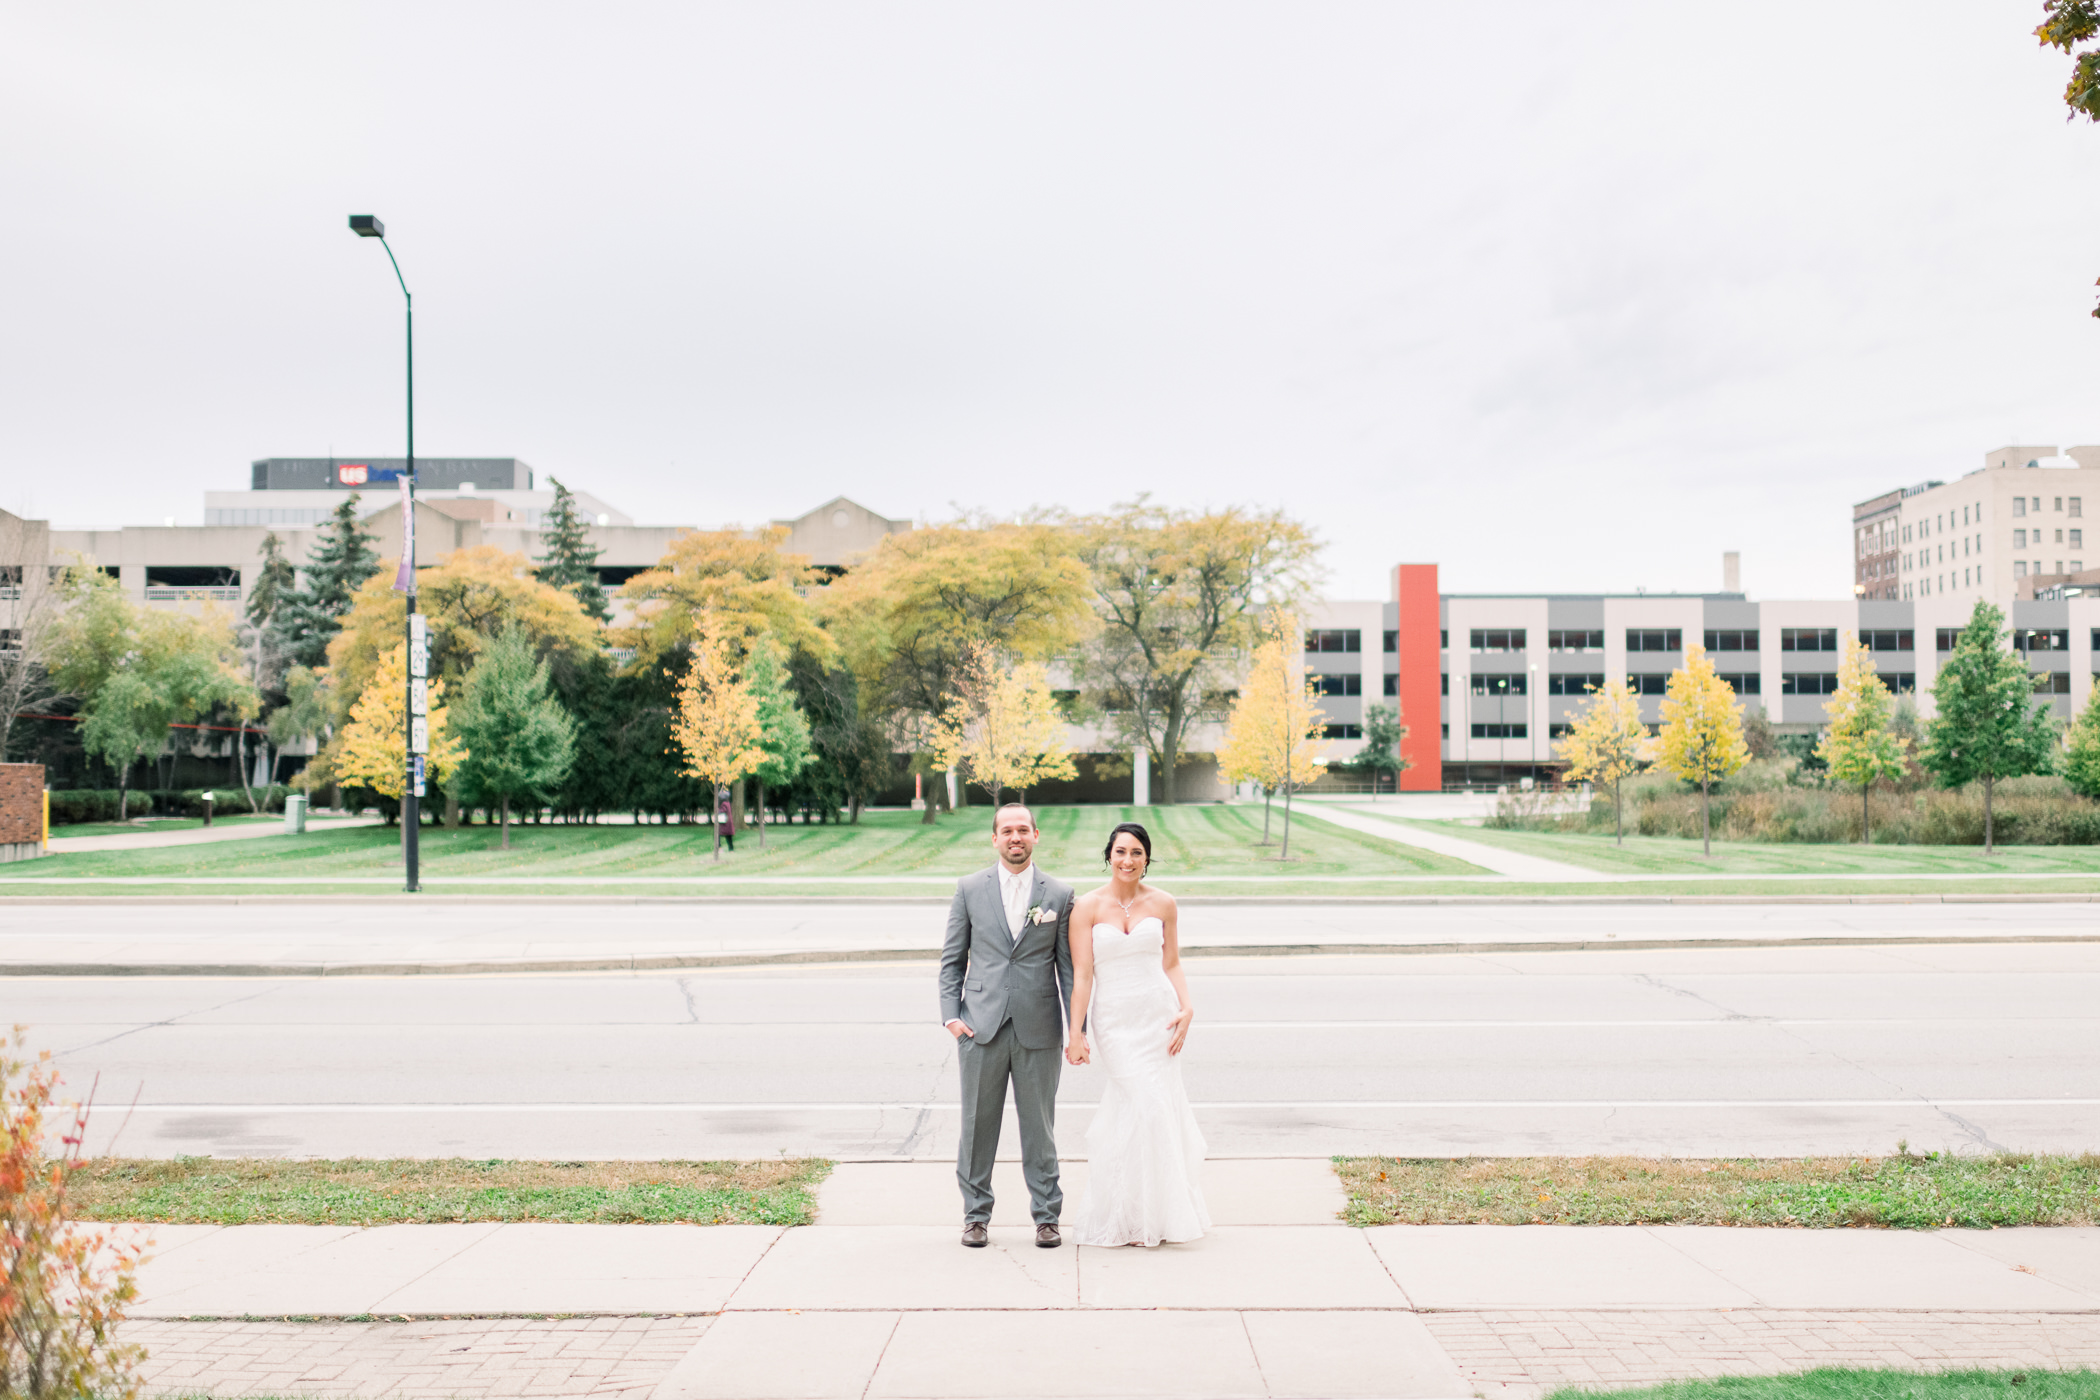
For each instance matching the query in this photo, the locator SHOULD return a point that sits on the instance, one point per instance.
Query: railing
(192, 595)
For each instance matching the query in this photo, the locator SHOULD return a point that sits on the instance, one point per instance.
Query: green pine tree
(340, 561)
(571, 561)
(2082, 749)
(519, 740)
(783, 729)
(274, 582)
(853, 761)
(1988, 725)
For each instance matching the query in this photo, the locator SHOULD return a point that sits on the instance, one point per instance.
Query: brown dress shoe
(1046, 1237)
(974, 1236)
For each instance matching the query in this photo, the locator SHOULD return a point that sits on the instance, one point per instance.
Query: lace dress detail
(1144, 1150)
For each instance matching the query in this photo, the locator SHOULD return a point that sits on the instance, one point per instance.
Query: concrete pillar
(1141, 777)
(952, 803)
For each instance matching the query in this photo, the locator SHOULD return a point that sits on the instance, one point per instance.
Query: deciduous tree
(1988, 724)
(1004, 730)
(2082, 749)
(743, 585)
(2067, 24)
(782, 727)
(372, 749)
(1861, 745)
(571, 561)
(1383, 735)
(1273, 735)
(32, 593)
(1180, 596)
(518, 741)
(717, 726)
(908, 617)
(1702, 733)
(1607, 744)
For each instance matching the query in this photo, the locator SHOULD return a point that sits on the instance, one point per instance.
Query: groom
(1006, 979)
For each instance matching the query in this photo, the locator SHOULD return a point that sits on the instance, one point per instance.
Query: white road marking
(1310, 1105)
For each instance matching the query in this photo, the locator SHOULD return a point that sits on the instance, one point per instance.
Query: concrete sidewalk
(147, 839)
(879, 1299)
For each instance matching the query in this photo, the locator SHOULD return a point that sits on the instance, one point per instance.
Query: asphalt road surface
(1696, 1052)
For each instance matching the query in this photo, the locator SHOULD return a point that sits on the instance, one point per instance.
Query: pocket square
(1046, 915)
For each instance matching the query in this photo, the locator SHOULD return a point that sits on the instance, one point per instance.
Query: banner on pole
(405, 576)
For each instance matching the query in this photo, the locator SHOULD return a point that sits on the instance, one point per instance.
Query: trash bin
(294, 813)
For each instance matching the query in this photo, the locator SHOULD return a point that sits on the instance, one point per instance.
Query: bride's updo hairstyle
(1144, 838)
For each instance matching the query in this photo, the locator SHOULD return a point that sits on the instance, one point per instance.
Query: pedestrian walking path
(148, 839)
(1507, 863)
(878, 1299)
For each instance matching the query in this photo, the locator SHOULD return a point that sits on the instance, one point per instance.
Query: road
(397, 934)
(1692, 1051)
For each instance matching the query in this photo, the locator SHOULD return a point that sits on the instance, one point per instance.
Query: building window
(1499, 731)
(1808, 683)
(1498, 639)
(1731, 640)
(1443, 683)
(2078, 506)
(1649, 683)
(1808, 639)
(1443, 731)
(1349, 683)
(1559, 731)
(1342, 731)
(2019, 539)
(2052, 683)
(1889, 641)
(1654, 639)
(1901, 682)
(1572, 683)
(1944, 638)
(1744, 683)
(1392, 683)
(1392, 643)
(2041, 639)
(2019, 568)
(2077, 540)
(1497, 685)
(1575, 640)
(1443, 640)
(2019, 508)
(1335, 639)
(2059, 505)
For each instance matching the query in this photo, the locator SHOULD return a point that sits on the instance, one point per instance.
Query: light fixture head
(367, 226)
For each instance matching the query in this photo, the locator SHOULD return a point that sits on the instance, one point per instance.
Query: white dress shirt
(1014, 889)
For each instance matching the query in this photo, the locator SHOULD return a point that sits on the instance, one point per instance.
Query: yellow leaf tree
(743, 585)
(372, 750)
(1004, 729)
(1859, 745)
(1273, 736)
(1702, 733)
(717, 726)
(1606, 744)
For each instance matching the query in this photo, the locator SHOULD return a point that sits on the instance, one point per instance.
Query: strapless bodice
(1147, 937)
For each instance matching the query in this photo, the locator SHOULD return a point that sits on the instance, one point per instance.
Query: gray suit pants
(988, 1063)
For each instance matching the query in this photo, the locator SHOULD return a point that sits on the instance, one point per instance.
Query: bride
(1144, 1151)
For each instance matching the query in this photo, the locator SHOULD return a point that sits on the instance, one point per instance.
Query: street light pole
(414, 726)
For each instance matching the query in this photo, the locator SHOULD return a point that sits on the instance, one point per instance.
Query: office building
(2019, 516)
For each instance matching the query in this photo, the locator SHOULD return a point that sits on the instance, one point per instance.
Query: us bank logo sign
(363, 474)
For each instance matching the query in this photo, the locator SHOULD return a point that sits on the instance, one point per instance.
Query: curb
(677, 962)
(1260, 900)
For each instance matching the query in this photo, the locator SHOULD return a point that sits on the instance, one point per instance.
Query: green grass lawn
(238, 817)
(254, 1191)
(1903, 1192)
(1836, 1383)
(1668, 855)
(1191, 845)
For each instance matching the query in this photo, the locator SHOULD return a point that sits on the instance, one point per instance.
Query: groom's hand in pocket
(959, 1030)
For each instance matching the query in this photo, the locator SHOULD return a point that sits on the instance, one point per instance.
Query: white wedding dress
(1144, 1151)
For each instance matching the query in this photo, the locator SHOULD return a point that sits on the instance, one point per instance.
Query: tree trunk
(506, 821)
(761, 814)
(1618, 816)
(1268, 795)
(451, 811)
(1170, 732)
(1285, 852)
(1987, 780)
(1706, 834)
(124, 793)
(853, 807)
(934, 791)
(1866, 833)
(240, 758)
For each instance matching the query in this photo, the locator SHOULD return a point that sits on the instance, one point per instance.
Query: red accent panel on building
(1421, 669)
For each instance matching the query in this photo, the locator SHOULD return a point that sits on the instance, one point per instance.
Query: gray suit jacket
(989, 977)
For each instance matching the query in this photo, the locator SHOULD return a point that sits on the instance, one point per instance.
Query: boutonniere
(1041, 914)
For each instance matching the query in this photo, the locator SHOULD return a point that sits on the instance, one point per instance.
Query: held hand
(1075, 1049)
(1180, 1026)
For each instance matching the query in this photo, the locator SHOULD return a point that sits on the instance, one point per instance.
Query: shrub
(62, 1288)
(94, 805)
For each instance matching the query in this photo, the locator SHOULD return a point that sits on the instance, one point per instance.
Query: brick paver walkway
(466, 1357)
(1515, 1352)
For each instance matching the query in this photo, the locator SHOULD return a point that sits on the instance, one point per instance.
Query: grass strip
(1903, 1192)
(354, 1191)
(1839, 1383)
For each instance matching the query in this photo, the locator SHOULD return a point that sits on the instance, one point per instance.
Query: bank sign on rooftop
(356, 473)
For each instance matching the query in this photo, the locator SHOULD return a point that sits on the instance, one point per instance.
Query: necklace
(1126, 903)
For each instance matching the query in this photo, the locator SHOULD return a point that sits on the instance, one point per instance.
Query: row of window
(1664, 639)
(1345, 639)
(2077, 540)
(1658, 683)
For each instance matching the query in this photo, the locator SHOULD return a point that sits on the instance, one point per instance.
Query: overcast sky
(1561, 297)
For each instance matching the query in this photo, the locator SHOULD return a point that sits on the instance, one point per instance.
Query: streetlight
(415, 724)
